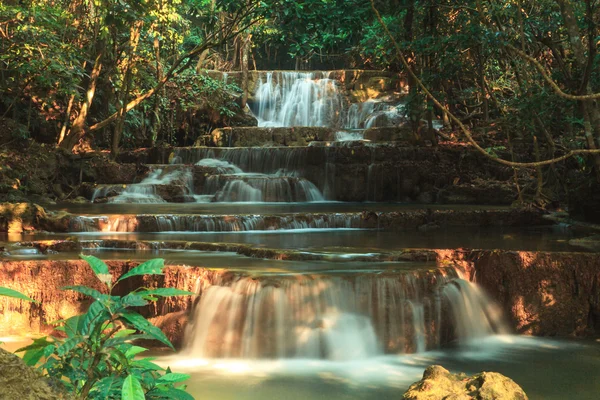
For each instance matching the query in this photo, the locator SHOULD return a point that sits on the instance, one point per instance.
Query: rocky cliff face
(543, 293)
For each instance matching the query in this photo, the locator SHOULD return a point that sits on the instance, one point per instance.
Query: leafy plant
(97, 359)
(14, 294)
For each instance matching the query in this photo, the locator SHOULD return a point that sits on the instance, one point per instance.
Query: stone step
(409, 220)
(298, 136)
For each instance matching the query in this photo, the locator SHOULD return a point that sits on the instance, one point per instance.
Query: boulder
(20, 217)
(18, 381)
(438, 383)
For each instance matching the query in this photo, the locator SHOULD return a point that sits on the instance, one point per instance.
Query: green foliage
(15, 294)
(96, 358)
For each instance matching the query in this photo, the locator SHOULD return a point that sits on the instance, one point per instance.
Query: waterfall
(272, 177)
(213, 223)
(158, 184)
(290, 98)
(251, 187)
(297, 99)
(339, 318)
(474, 313)
(358, 114)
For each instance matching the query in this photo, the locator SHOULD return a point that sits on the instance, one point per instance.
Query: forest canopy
(124, 74)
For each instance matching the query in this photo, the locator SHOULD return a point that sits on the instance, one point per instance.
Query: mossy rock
(18, 381)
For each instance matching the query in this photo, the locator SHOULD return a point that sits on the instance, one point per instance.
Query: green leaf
(116, 341)
(98, 266)
(88, 291)
(37, 344)
(97, 313)
(15, 294)
(72, 325)
(176, 394)
(133, 300)
(146, 363)
(68, 345)
(134, 350)
(173, 378)
(101, 388)
(141, 324)
(132, 389)
(32, 357)
(150, 267)
(124, 333)
(166, 292)
(119, 356)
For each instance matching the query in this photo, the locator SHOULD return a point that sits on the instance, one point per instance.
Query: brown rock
(439, 384)
(18, 381)
(20, 217)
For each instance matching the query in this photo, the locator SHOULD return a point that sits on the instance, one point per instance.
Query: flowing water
(343, 317)
(354, 316)
(297, 99)
(289, 98)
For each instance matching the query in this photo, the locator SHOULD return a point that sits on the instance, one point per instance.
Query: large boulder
(20, 217)
(438, 383)
(18, 381)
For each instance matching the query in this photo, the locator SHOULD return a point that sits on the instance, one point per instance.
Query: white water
(220, 166)
(297, 99)
(290, 98)
(213, 223)
(229, 183)
(345, 136)
(335, 318)
(146, 191)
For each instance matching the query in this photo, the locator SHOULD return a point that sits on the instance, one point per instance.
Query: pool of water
(546, 369)
(351, 240)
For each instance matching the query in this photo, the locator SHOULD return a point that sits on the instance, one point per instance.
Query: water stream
(342, 322)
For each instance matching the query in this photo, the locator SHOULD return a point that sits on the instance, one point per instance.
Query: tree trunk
(134, 37)
(412, 84)
(245, 61)
(77, 130)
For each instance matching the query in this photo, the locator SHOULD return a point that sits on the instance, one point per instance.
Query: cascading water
(277, 172)
(297, 99)
(230, 184)
(213, 223)
(339, 318)
(290, 98)
(149, 189)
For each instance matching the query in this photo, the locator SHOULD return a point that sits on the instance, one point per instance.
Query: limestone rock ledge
(438, 383)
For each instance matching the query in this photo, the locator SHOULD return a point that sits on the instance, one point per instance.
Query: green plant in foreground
(15, 294)
(96, 358)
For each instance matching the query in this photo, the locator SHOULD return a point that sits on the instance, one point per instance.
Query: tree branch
(462, 127)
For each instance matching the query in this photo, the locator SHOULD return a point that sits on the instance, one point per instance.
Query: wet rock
(438, 384)
(591, 243)
(479, 192)
(20, 217)
(42, 280)
(390, 134)
(102, 170)
(173, 326)
(542, 293)
(258, 137)
(18, 381)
